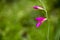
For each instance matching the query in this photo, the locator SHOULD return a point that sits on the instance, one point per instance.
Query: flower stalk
(39, 23)
(46, 17)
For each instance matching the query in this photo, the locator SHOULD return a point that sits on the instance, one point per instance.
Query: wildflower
(40, 20)
(38, 7)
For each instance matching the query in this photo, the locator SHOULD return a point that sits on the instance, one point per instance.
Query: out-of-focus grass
(17, 20)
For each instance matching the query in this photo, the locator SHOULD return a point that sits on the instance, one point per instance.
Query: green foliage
(17, 20)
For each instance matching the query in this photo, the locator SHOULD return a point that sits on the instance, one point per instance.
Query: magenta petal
(38, 24)
(40, 18)
(36, 7)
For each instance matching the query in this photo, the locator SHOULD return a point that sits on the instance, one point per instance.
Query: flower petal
(40, 18)
(36, 7)
(38, 24)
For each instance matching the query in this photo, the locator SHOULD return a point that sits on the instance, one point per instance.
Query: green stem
(48, 25)
(46, 17)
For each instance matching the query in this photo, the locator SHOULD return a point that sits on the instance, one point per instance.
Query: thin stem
(48, 25)
(46, 16)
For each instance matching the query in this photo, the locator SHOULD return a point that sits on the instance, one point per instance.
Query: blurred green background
(17, 20)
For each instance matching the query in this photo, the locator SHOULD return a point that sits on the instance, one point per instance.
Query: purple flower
(40, 20)
(38, 7)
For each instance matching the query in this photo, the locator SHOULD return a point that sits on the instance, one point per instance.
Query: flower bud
(38, 7)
